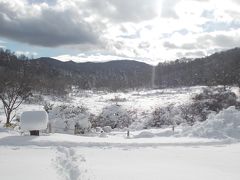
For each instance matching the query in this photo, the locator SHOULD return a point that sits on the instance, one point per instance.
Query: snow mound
(34, 120)
(145, 134)
(150, 133)
(225, 124)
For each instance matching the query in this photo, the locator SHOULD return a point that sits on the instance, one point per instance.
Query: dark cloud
(48, 28)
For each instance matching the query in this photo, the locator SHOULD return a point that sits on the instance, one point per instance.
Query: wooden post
(128, 133)
(49, 127)
(34, 133)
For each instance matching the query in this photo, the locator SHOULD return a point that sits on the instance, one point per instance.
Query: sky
(151, 31)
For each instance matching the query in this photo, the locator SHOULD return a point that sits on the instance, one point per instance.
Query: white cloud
(27, 53)
(85, 58)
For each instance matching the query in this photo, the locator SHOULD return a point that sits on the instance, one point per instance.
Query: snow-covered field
(143, 102)
(68, 157)
(206, 151)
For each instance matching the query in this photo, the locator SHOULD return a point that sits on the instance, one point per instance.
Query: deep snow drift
(225, 124)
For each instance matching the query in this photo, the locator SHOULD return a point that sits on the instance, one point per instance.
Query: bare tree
(12, 94)
(14, 88)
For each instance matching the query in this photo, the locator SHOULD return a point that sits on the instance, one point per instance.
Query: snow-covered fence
(34, 121)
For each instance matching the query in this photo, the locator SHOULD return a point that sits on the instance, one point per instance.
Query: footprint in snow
(68, 164)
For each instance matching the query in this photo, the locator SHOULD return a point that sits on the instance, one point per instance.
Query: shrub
(64, 118)
(164, 116)
(114, 116)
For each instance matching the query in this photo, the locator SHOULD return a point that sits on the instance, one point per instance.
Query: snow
(23, 163)
(168, 163)
(225, 124)
(69, 157)
(34, 120)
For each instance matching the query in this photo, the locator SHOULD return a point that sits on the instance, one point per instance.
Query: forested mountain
(112, 75)
(52, 76)
(221, 68)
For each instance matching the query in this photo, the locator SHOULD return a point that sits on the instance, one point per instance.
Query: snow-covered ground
(69, 157)
(206, 151)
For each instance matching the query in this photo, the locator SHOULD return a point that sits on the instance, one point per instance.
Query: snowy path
(69, 165)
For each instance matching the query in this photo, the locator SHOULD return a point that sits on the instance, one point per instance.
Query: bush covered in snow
(64, 118)
(202, 104)
(164, 116)
(115, 116)
(225, 124)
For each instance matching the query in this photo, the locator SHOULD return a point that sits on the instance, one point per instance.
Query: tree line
(20, 76)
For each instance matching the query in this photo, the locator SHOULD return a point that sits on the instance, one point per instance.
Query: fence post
(49, 127)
